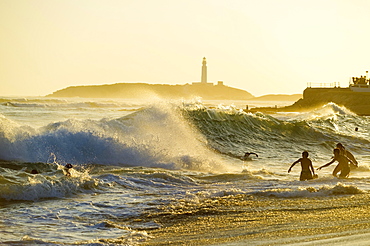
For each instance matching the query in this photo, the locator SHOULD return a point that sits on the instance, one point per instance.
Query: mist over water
(130, 158)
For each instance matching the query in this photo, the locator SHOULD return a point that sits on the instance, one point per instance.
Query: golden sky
(261, 46)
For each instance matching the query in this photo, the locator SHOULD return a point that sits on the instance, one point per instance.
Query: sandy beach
(238, 220)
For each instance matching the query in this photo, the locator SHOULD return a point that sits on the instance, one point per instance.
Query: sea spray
(155, 136)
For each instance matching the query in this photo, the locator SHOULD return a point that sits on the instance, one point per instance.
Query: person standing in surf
(349, 155)
(307, 171)
(343, 164)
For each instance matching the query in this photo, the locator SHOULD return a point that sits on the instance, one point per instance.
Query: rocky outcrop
(357, 102)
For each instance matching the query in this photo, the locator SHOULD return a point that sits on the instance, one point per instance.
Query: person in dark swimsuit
(307, 171)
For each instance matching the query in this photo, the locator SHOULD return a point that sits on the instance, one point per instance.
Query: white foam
(310, 191)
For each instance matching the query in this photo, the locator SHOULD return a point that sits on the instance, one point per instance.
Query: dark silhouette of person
(343, 164)
(67, 169)
(346, 153)
(307, 171)
(34, 171)
(247, 156)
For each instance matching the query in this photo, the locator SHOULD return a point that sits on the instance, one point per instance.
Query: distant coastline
(143, 90)
(187, 91)
(278, 97)
(202, 89)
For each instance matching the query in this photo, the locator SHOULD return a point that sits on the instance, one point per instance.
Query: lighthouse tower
(204, 71)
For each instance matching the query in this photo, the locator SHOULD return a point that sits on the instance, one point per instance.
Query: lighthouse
(203, 80)
(204, 71)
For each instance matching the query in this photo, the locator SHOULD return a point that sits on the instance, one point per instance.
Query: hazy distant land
(278, 97)
(143, 90)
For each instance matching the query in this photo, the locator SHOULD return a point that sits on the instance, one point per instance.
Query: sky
(261, 46)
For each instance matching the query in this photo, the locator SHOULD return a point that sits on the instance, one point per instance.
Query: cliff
(143, 90)
(357, 102)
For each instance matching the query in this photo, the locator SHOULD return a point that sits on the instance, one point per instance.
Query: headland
(203, 89)
(207, 91)
(355, 97)
(357, 102)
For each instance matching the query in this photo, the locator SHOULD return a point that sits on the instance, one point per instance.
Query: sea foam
(326, 190)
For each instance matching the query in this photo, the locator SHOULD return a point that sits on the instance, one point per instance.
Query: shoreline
(240, 220)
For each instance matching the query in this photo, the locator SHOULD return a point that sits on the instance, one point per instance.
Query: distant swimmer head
(34, 171)
(68, 166)
(247, 155)
(305, 154)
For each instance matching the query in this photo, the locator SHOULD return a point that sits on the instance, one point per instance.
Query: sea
(134, 158)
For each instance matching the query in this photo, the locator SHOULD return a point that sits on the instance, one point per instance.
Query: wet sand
(249, 220)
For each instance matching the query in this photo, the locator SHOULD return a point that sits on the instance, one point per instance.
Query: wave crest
(338, 189)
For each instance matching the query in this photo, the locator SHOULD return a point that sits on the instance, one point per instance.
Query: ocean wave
(329, 110)
(236, 132)
(233, 132)
(177, 136)
(22, 185)
(149, 179)
(326, 190)
(157, 136)
(230, 177)
(362, 168)
(64, 103)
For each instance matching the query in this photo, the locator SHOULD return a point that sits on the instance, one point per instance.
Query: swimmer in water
(67, 169)
(307, 167)
(247, 157)
(34, 171)
(343, 164)
(349, 155)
